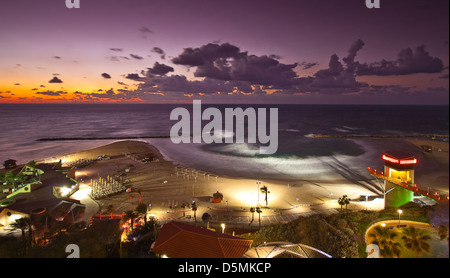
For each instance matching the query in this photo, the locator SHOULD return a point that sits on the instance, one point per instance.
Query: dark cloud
(144, 29)
(337, 78)
(137, 57)
(134, 76)
(55, 80)
(113, 58)
(226, 62)
(157, 50)
(206, 54)
(226, 70)
(160, 52)
(51, 93)
(105, 75)
(408, 62)
(160, 69)
(308, 65)
(57, 57)
(350, 59)
(116, 49)
(120, 95)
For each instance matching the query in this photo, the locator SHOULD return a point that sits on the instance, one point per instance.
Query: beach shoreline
(165, 186)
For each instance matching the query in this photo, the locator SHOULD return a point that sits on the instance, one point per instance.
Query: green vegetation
(343, 234)
(386, 239)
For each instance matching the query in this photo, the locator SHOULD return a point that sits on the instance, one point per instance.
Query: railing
(427, 192)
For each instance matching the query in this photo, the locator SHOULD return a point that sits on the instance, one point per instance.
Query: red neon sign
(408, 161)
(399, 161)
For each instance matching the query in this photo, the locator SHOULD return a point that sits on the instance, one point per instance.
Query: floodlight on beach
(65, 191)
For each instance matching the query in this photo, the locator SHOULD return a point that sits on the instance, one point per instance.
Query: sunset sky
(233, 51)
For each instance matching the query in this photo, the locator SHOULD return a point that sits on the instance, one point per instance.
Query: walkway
(427, 192)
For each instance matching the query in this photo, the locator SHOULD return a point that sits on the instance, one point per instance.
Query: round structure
(284, 250)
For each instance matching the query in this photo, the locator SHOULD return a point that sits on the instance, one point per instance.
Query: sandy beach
(438, 178)
(165, 186)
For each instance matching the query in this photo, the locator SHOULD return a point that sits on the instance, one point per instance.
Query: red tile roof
(179, 240)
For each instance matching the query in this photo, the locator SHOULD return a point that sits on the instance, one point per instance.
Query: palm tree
(110, 210)
(32, 164)
(194, 209)
(259, 211)
(386, 240)
(129, 215)
(265, 191)
(416, 240)
(23, 224)
(141, 209)
(252, 210)
(344, 200)
(10, 177)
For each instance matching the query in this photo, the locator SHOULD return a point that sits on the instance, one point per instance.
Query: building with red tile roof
(180, 240)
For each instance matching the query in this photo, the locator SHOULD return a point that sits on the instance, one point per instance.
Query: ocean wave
(292, 130)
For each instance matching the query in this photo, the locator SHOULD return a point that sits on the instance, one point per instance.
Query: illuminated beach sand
(165, 185)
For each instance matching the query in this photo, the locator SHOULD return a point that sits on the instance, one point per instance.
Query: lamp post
(258, 183)
(399, 213)
(223, 228)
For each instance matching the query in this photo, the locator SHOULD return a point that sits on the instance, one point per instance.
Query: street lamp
(399, 213)
(258, 183)
(223, 227)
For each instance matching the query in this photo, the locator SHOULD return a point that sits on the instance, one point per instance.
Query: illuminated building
(398, 169)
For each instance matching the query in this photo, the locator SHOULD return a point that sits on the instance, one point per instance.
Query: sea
(300, 155)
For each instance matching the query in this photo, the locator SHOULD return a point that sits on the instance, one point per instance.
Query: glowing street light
(399, 213)
(223, 227)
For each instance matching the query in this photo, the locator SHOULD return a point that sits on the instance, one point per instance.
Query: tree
(110, 210)
(386, 240)
(443, 232)
(206, 218)
(12, 178)
(252, 210)
(32, 165)
(141, 209)
(194, 209)
(259, 211)
(344, 200)
(23, 224)
(265, 191)
(129, 215)
(416, 240)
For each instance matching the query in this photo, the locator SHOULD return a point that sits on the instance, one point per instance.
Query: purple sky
(258, 51)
